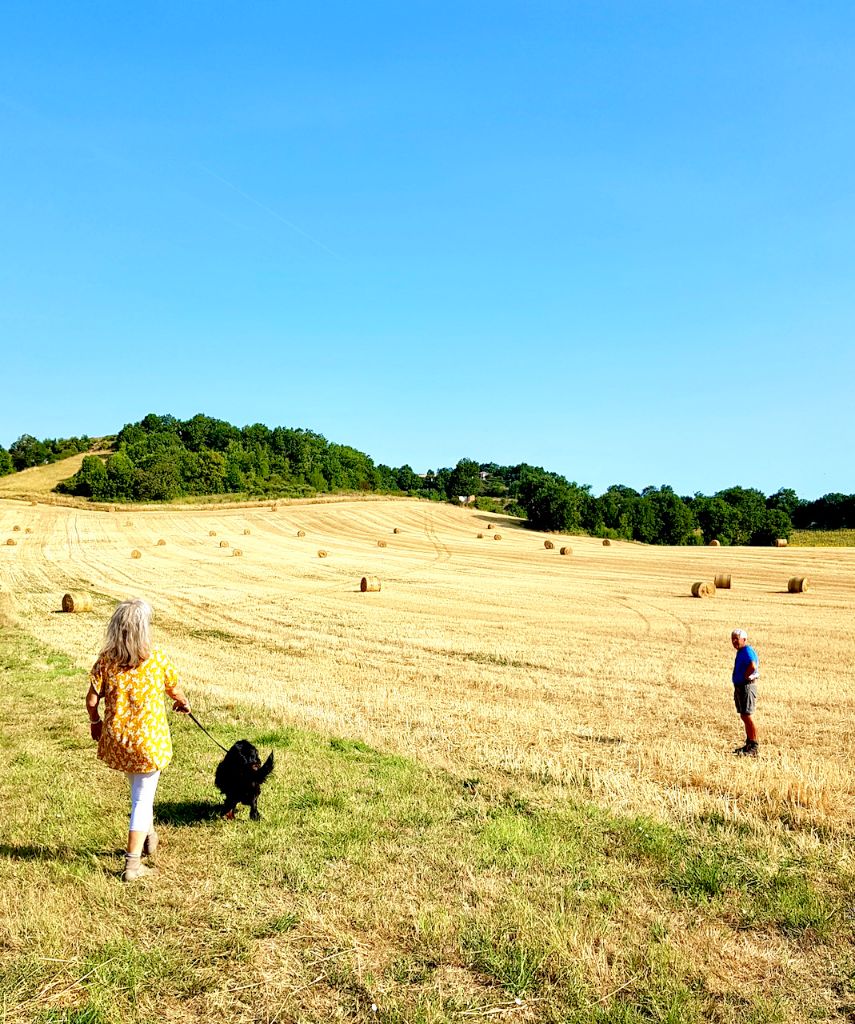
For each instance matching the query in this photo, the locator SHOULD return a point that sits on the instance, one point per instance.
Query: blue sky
(616, 239)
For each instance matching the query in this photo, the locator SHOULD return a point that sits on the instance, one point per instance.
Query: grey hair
(740, 632)
(128, 641)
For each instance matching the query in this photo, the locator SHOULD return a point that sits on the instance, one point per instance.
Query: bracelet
(94, 721)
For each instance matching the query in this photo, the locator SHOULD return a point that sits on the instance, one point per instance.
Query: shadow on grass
(187, 812)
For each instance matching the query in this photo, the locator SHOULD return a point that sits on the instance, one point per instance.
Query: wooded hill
(161, 458)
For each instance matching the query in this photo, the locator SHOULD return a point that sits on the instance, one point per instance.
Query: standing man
(745, 672)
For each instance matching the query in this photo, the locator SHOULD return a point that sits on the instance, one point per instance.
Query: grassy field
(823, 538)
(505, 776)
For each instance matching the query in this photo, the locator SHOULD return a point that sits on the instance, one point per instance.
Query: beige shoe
(152, 841)
(134, 869)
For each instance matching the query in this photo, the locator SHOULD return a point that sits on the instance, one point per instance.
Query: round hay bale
(76, 603)
(480, 536)
(34, 503)
(161, 542)
(11, 542)
(28, 530)
(606, 542)
(274, 508)
(722, 581)
(548, 545)
(212, 533)
(369, 584)
(322, 553)
(136, 553)
(246, 532)
(797, 585)
(703, 589)
(381, 543)
(396, 530)
(781, 542)
(497, 536)
(301, 533)
(489, 526)
(16, 529)
(129, 522)
(236, 553)
(714, 543)
(224, 543)
(566, 551)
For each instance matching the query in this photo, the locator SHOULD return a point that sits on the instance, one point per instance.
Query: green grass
(375, 880)
(823, 539)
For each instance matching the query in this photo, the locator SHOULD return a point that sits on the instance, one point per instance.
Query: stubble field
(487, 657)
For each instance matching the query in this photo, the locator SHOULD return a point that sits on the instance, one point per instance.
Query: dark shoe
(739, 751)
(751, 749)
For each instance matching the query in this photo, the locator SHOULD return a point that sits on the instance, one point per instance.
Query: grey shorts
(745, 698)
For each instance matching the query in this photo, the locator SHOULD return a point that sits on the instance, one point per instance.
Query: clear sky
(616, 239)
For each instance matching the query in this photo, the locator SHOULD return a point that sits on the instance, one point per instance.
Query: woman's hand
(95, 729)
(181, 706)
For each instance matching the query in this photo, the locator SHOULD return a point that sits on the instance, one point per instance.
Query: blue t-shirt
(744, 657)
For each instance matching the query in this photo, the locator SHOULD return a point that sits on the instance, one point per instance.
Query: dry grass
(486, 661)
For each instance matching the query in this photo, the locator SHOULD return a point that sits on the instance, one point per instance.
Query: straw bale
(301, 533)
(548, 545)
(28, 530)
(161, 542)
(497, 536)
(798, 585)
(781, 542)
(722, 581)
(246, 532)
(212, 533)
(606, 542)
(566, 550)
(136, 553)
(224, 543)
(369, 584)
(714, 543)
(77, 602)
(703, 589)
(11, 542)
(381, 543)
(396, 530)
(236, 552)
(16, 529)
(322, 553)
(479, 536)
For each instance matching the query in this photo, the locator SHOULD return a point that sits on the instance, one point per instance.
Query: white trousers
(143, 788)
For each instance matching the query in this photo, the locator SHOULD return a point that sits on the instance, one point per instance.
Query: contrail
(273, 213)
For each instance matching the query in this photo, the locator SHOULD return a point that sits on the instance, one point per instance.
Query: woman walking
(132, 678)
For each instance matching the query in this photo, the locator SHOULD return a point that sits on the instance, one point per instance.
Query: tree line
(161, 457)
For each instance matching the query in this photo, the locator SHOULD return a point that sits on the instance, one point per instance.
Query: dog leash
(205, 731)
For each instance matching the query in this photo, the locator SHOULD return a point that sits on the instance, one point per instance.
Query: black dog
(239, 777)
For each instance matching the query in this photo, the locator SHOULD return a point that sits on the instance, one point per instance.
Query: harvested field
(482, 660)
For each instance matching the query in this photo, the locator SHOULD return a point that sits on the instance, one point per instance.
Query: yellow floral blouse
(135, 736)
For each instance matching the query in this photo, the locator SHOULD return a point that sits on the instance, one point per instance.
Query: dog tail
(266, 768)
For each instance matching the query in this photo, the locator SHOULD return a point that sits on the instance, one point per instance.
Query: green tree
(6, 466)
(90, 481)
(27, 451)
(120, 476)
(464, 479)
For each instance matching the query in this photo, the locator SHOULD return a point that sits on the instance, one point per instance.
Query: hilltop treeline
(28, 451)
(161, 458)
